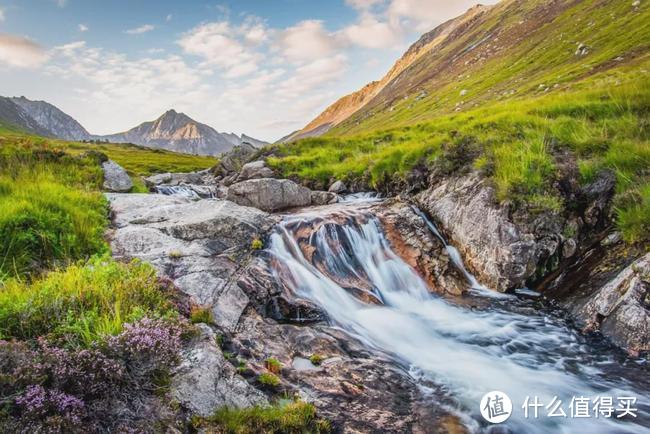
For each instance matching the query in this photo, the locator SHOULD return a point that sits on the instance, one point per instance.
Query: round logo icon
(496, 407)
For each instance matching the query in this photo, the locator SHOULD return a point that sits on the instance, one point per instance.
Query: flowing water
(455, 352)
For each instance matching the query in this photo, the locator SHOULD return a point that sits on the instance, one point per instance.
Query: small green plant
(175, 254)
(257, 244)
(273, 365)
(269, 380)
(316, 359)
(292, 417)
(228, 355)
(201, 314)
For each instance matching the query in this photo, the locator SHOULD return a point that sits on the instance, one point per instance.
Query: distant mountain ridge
(178, 132)
(172, 131)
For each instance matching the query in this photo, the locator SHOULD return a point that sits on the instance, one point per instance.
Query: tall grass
(520, 145)
(81, 303)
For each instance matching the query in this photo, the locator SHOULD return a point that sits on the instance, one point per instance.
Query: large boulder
(205, 381)
(115, 177)
(619, 308)
(255, 170)
(200, 245)
(269, 194)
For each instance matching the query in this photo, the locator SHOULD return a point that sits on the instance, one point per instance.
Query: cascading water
(194, 192)
(350, 271)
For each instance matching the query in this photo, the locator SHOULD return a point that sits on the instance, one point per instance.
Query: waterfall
(193, 192)
(347, 267)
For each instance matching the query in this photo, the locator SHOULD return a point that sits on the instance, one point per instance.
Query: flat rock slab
(269, 194)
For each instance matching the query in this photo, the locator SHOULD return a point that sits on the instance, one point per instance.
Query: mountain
(53, 120)
(14, 116)
(349, 104)
(178, 132)
(512, 50)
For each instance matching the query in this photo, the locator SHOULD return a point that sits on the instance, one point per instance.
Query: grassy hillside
(519, 110)
(51, 209)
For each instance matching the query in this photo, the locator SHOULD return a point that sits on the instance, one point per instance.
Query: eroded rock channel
(407, 343)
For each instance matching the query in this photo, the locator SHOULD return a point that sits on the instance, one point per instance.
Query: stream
(456, 349)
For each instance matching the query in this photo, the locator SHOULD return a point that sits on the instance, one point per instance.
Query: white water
(507, 346)
(195, 193)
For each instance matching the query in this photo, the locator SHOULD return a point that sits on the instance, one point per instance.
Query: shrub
(257, 244)
(273, 365)
(269, 380)
(293, 417)
(83, 303)
(50, 410)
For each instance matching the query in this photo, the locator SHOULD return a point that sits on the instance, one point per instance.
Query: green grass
(82, 303)
(519, 145)
(268, 379)
(287, 417)
(200, 314)
(273, 365)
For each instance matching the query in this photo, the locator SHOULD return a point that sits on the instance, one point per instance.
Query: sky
(260, 67)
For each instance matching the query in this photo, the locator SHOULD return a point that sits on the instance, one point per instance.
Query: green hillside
(524, 90)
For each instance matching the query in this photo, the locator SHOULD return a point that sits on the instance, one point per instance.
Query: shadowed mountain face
(13, 115)
(178, 132)
(50, 118)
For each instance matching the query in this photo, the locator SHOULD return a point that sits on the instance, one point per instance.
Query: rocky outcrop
(269, 194)
(205, 381)
(323, 197)
(620, 309)
(255, 170)
(115, 177)
(338, 187)
(200, 245)
(233, 160)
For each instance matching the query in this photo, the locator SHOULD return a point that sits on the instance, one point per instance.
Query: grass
(268, 379)
(82, 303)
(519, 145)
(200, 314)
(316, 359)
(287, 417)
(273, 365)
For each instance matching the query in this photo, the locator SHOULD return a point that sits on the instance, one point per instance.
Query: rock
(323, 197)
(200, 245)
(255, 170)
(233, 160)
(569, 248)
(205, 381)
(269, 194)
(173, 179)
(582, 50)
(463, 92)
(636, 3)
(611, 239)
(115, 177)
(493, 247)
(618, 309)
(338, 187)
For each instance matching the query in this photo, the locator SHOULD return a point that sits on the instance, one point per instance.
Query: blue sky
(264, 68)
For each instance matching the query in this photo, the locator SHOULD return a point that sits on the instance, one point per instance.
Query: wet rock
(269, 194)
(338, 187)
(205, 381)
(255, 170)
(174, 179)
(323, 197)
(611, 239)
(569, 248)
(495, 248)
(619, 308)
(115, 177)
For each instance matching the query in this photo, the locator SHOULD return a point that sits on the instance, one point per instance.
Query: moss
(201, 314)
(316, 359)
(257, 244)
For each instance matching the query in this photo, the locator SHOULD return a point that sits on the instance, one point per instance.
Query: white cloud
(20, 52)
(169, 17)
(221, 44)
(314, 75)
(61, 3)
(307, 40)
(2, 15)
(425, 15)
(363, 4)
(140, 30)
(371, 33)
(83, 28)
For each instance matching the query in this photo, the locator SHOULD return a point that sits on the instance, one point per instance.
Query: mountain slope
(52, 119)
(513, 49)
(178, 132)
(14, 116)
(349, 104)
